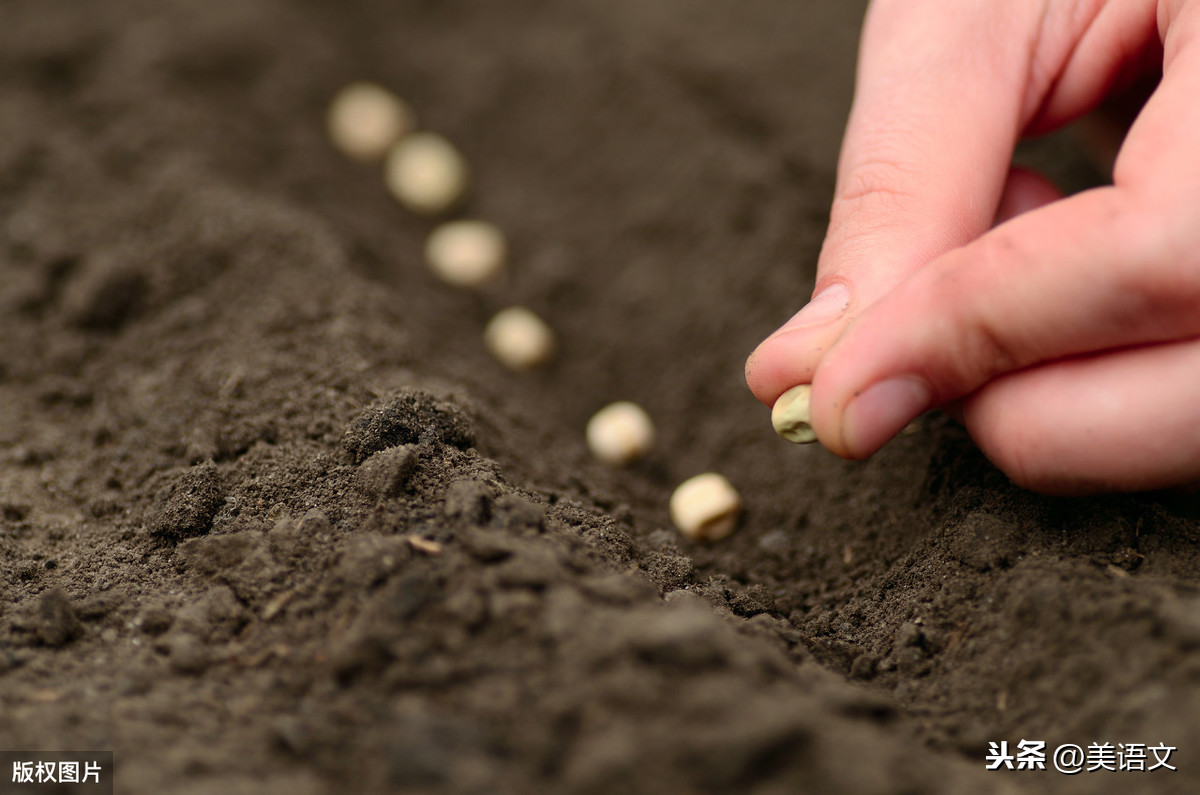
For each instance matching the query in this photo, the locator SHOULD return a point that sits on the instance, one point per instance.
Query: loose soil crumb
(273, 521)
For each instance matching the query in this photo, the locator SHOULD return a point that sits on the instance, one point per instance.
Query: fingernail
(881, 411)
(825, 306)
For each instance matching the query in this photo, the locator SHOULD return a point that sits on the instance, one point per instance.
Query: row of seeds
(429, 176)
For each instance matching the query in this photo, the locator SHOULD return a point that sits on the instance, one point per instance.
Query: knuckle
(979, 343)
(871, 198)
(1155, 275)
(995, 353)
(874, 179)
(882, 169)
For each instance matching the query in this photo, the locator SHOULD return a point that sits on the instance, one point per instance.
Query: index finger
(944, 91)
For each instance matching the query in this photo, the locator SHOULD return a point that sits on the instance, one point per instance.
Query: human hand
(1071, 330)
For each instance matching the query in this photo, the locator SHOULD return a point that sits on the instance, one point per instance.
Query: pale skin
(1063, 332)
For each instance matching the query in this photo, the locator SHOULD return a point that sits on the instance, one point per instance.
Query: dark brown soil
(271, 520)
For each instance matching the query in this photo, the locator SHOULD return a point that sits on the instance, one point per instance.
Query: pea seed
(706, 507)
(519, 339)
(620, 433)
(790, 415)
(466, 253)
(426, 173)
(365, 119)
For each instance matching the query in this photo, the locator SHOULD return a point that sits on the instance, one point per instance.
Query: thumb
(943, 94)
(918, 175)
(1099, 271)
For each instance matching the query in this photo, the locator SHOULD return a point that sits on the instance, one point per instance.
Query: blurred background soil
(271, 520)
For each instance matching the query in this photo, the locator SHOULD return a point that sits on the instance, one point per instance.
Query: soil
(272, 521)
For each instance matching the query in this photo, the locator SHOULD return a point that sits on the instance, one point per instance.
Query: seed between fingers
(790, 415)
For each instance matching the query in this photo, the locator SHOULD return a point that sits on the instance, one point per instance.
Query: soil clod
(57, 621)
(190, 503)
(409, 417)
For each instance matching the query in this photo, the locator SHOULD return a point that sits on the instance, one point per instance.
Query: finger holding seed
(790, 415)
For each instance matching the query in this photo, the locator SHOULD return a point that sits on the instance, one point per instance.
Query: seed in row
(519, 339)
(706, 507)
(365, 120)
(426, 173)
(620, 433)
(790, 415)
(466, 253)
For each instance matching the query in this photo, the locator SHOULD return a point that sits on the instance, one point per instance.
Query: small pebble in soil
(190, 503)
(706, 507)
(426, 173)
(188, 655)
(470, 500)
(57, 620)
(620, 433)
(155, 620)
(385, 474)
(365, 120)
(106, 295)
(8, 661)
(408, 417)
(790, 415)
(466, 253)
(519, 339)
